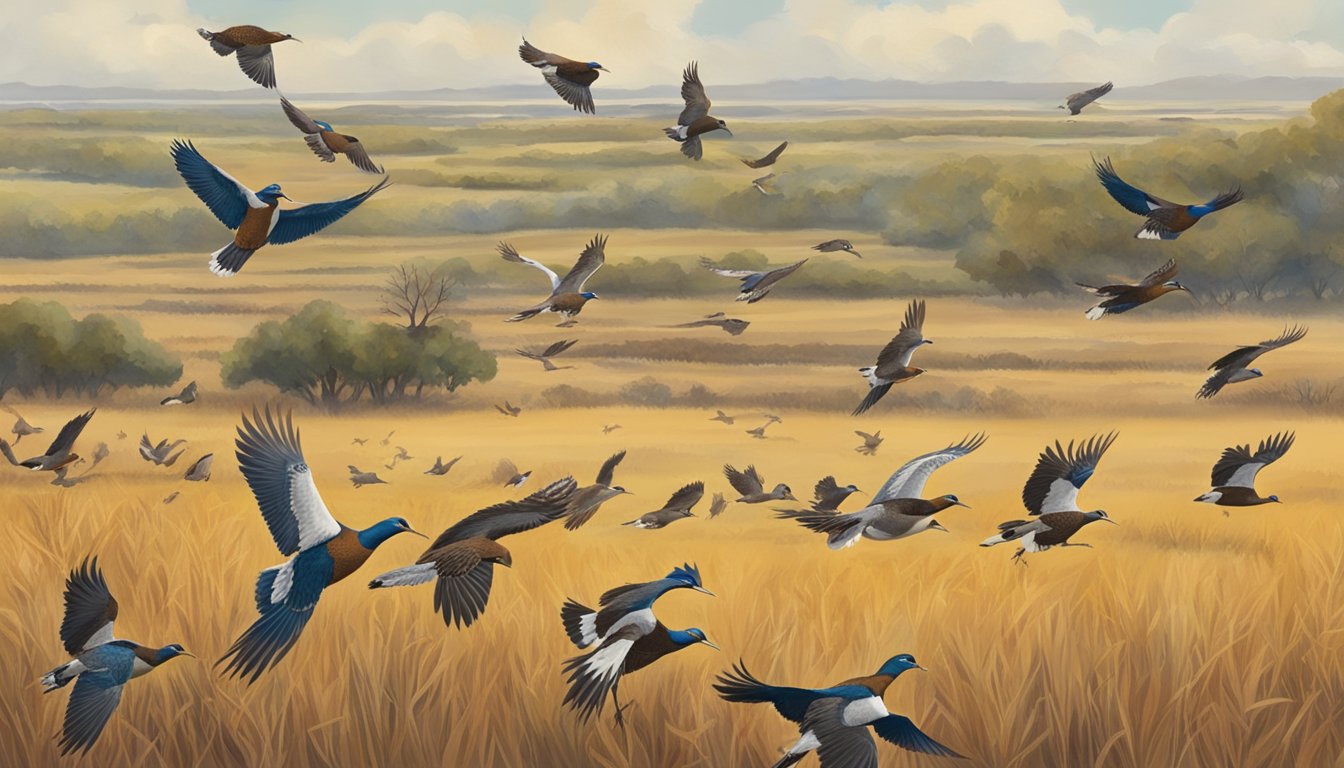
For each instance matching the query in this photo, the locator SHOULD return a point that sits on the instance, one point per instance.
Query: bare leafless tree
(417, 294)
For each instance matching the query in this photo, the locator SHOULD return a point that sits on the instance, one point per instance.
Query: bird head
(898, 664)
(595, 65)
(324, 126)
(852, 488)
(589, 295)
(934, 525)
(1275, 499)
(1256, 372)
(689, 576)
(692, 636)
(954, 501)
(379, 532)
(172, 652)
(784, 492)
(270, 194)
(1099, 514)
(724, 127)
(290, 37)
(501, 556)
(1175, 285)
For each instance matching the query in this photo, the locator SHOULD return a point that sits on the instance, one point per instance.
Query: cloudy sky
(372, 45)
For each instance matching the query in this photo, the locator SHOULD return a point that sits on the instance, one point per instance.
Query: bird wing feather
(270, 457)
(908, 481)
(298, 223)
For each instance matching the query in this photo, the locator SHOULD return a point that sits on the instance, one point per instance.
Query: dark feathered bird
(461, 562)
(1234, 475)
(1116, 299)
(695, 120)
(199, 471)
(768, 159)
(893, 362)
(360, 479)
(1166, 220)
(732, 325)
(441, 468)
(827, 496)
(723, 417)
(1231, 368)
(326, 143)
(585, 502)
(678, 507)
(1077, 101)
(61, 451)
(253, 48)
(751, 487)
(831, 246)
(567, 294)
(185, 397)
(161, 453)
(21, 427)
(571, 79)
(755, 285)
(545, 355)
(508, 409)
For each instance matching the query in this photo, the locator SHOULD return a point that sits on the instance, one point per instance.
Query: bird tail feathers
(875, 393)
(1095, 313)
(228, 260)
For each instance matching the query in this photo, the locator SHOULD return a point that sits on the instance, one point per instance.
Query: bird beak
(628, 493)
(287, 197)
(1109, 520)
(706, 591)
(409, 529)
(604, 69)
(960, 504)
(856, 253)
(187, 653)
(711, 645)
(725, 130)
(921, 668)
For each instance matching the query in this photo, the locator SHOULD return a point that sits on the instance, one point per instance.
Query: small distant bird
(1051, 496)
(121, 434)
(765, 184)
(102, 665)
(402, 455)
(61, 478)
(199, 471)
(461, 561)
(440, 468)
(834, 721)
(391, 464)
(723, 417)
(695, 119)
(186, 396)
(323, 550)
(831, 246)
(893, 362)
(359, 441)
(170, 498)
(769, 159)
(359, 479)
(544, 356)
(512, 477)
(755, 285)
(752, 488)
(1231, 368)
(1116, 299)
(256, 216)
(625, 637)
(1166, 220)
(508, 409)
(567, 294)
(158, 454)
(387, 440)
(1075, 102)
(326, 143)
(100, 452)
(870, 442)
(677, 507)
(571, 79)
(609, 428)
(828, 495)
(732, 325)
(253, 48)
(717, 505)
(772, 418)
(1234, 474)
(21, 427)
(60, 453)
(759, 432)
(585, 502)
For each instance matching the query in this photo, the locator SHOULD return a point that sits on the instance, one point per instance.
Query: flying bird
(834, 721)
(717, 505)
(893, 362)
(509, 472)
(1051, 496)
(695, 120)
(545, 355)
(359, 441)
(752, 488)
(102, 665)
(199, 471)
(185, 397)
(159, 454)
(831, 246)
(323, 550)
(678, 506)
(253, 48)
(870, 442)
(1231, 368)
(60, 453)
(759, 432)
(1234, 475)
(461, 561)
(755, 285)
(508, 409)
(326, 143)
(765, 184)
(440, 468)
(359, 479)
(1165, 220)
(723, 417)
(387, 440)
(567, 294)
(402, 455)
(21, 427)
(585, 502)
(1116, 299)
(769, 159)
(256, 216)
(827, 496)
(571, 79)
(731, 325)
(609, 428)
(170, 498)
(1075, 102)
(625, 637)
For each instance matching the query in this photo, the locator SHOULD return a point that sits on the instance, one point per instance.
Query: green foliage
(44, 349)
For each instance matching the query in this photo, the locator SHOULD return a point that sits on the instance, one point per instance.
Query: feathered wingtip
(687, 572)
(1228, 198)
(739, 685)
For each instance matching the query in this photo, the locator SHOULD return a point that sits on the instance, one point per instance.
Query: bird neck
(681, 638)
(939, 504)
(371, 537)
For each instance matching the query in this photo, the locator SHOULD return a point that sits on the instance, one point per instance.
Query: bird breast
(864, 711)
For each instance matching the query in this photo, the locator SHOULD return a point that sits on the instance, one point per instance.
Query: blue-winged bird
(256, 216)
(567, 294)
(893, 362)
(1077, 101)
(324, 551)
(461, 561)
(834, 721)
(545, 355)
(898, 509)
(102, 664)
(1119, 298)
(1234, 475)
(695, 120)
(185, 397)
(752, 488)
(326, 143)
(253, 48)
(625, 637)
(768, 159)
(60, 453)
(755, 285)
(1051, 495)
(1166, 220)
(678, 507)
(1231, 368)
(831, 246)
(585, 502)
(571, 79)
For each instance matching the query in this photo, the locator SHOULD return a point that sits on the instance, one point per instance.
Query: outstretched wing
(1081, 99)
(686, 497)
(1134, 200)
(1242, 357)
(510, 254)
(840, 745)
(591, 260)
(745, 483)
(901, 731)
(225, 196)
(96, 696)
(608, 471)
(901, 348)
(299, 118)
(558, 347)
(767, 160)
(271, 460)
(740, 274)
(298, 223)
(908, 481)
(693, 93)
(1060, 473)
(739, 685)
(90, 609)
(1238, 466)
(510, 517)
(65, 439)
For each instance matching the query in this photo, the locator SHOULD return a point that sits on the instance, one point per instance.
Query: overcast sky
(372, 45)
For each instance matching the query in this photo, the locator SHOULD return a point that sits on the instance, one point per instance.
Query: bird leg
(1017, 556)
(620, 717)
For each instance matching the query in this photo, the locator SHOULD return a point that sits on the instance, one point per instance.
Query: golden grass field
(1185, 638)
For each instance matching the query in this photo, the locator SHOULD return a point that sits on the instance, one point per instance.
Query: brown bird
(695, 119)
(545, 355)
(326, 143)
(507, 473)
(759, 432)
(567, 297)
(387, 440)
(253, 47)
(893, 362)
(508, 409)
(677, 508)
(59, 453)
(360, 479)
(870, 442)
(1234, 474)
(1116, 299)
(1231, 368)
(831, 246)
(717, 505)
(199, 471)
(768, 159)
(441, 468)
(723, 417)
(1077, 101)
(752, 487)
(571, 79)
(185, 397)
(732, 325)
(608, 429)
(583, 504)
